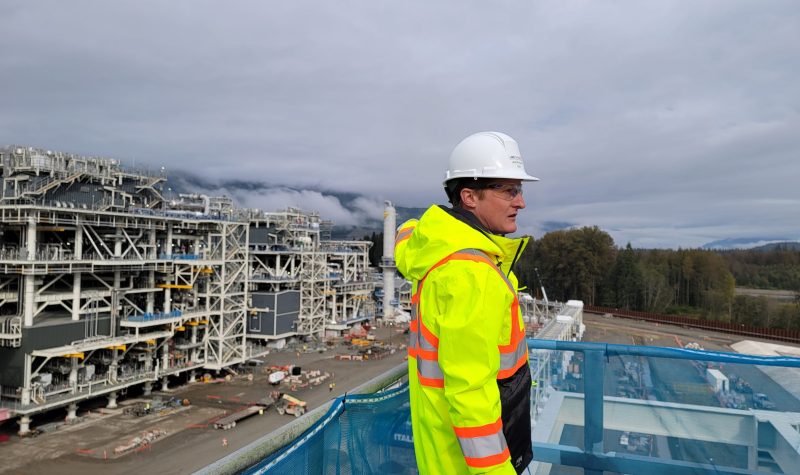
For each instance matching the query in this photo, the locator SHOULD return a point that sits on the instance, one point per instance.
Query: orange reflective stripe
(489, 461)
(479, 448)
(431, 355)
(424, 348)
(412, 344)
(403, 234)
(424, 344)
(521, 360)
(430, 382)
(479, 431)
(412, 330)
(428, 335)
(517, 334)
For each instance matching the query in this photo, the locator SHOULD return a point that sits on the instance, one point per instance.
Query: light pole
(541, 285)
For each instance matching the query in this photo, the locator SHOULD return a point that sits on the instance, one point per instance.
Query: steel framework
(109, 281)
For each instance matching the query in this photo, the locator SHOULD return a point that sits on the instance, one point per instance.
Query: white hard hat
(487, 155)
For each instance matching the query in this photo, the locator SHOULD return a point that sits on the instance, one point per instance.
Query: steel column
(593, 372)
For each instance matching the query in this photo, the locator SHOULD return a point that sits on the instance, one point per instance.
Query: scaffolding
(106, 281)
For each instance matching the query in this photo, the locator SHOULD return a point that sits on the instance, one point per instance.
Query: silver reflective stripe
(404, 233)
(479, 447)
(508, 360)
(429, 369)
(424, 344)
(476, 252)
(413, 336)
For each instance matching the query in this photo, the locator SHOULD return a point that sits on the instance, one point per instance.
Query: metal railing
(148, 317)
(592, 458)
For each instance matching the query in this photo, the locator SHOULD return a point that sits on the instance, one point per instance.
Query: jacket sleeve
(469, 317)
(401, 238)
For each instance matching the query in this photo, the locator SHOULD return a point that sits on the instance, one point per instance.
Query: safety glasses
(505, 191)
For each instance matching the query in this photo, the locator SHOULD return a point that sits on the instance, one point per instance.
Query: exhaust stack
(387, 262)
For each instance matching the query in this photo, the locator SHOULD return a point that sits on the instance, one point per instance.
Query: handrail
(610, 349)
(593, 458)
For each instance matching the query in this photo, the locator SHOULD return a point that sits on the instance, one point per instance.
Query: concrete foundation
(165, 383)
(24, 425)
(112, 401)
(148, 388)
(72, 412)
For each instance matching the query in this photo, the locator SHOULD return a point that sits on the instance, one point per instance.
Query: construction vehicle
(290, 405)
(276, 377)
(139, 409)
(230, 421)
(761, 401)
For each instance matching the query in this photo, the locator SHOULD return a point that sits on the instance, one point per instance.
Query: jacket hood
(437, 234)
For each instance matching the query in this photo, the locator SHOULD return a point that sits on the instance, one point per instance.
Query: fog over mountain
(353, 215)
(665, 123)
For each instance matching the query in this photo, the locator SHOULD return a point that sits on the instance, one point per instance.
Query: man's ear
(469, 198)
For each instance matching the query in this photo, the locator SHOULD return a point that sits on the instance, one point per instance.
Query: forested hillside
(585, 264)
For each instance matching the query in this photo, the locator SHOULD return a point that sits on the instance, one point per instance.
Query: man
(468, 361)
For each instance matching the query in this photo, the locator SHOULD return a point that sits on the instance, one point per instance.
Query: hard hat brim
(504, 176)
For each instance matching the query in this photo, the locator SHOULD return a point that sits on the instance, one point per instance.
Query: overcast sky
(665, 123)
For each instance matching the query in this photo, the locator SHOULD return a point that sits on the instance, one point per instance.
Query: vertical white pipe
(167, 300)
(30, 302)
(26, 380)
(389, 225)
(76, 297)
(118, 243)
(168, 244)
(30, 240)
(78, 250)
(151, 298)
(77, 253)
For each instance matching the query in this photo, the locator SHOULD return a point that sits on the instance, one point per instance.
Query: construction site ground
(183, 439)
(191, 441)
(635, 332)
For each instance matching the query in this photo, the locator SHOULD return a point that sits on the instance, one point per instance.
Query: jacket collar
(511, 248)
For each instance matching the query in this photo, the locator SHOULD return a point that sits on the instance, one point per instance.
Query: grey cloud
(666, 123)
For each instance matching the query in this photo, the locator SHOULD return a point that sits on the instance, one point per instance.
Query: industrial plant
(112, 282)
(109, 280)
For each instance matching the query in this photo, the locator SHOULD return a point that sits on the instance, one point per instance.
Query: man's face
(498, 206)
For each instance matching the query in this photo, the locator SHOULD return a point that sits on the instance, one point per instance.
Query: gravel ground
(190, 442)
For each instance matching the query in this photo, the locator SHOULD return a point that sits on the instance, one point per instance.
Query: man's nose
(518, 201)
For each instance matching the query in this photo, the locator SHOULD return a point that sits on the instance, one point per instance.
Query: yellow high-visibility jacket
(468, 361)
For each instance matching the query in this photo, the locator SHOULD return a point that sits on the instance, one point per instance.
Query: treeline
(777, 269)
(585, 264)
(376, 251)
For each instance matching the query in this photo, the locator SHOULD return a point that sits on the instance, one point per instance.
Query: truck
(276, 377)
(290, 405)
(761, 401)
(230, 421)
(718, 381)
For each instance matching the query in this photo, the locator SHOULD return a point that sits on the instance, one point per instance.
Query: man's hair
(453, 188)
